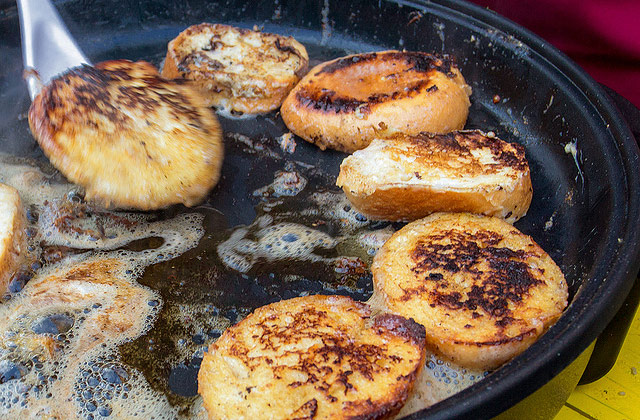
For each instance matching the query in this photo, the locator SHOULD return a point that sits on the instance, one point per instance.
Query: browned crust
(486, 355)
(340, 325)
(13, 242)
(483, 290)
(400, 326)
(397, 199)
(462, 143)
(407, 203)
(221, 90)
(344, 103)
(88, 123)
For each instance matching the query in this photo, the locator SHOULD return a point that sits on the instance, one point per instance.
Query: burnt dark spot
(451, 301)
(424, 62)
(286, 48)
(328, 101)
(198, 61)
(325, 366)
(308, 410)
(403, 327)
(447, 141)
(503, 322)
(107, 89)
(213, 45)
(418, 61)
(518, 337)
(500, 274)
(347, 62)
(506, 154)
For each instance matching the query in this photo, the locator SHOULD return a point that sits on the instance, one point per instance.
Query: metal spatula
(47, 46)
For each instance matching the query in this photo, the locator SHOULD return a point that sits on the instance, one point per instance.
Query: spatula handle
(48, 48)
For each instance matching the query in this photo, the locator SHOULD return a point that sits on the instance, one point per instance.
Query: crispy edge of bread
(412, 195)
(333, 118)
(65, 139)
(224, 94)
(333, 324)
(12, 234)
(490, 339)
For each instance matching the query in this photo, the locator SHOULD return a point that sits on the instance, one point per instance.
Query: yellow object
(616, 396)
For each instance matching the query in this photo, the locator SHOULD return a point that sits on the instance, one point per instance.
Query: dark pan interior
(584, 210)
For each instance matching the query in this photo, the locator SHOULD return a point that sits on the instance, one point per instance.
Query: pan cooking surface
(276, 226)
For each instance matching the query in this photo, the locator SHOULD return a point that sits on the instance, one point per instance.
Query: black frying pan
(585, 209)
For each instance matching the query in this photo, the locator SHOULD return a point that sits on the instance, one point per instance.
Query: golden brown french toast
(237, 69)
(409, 177)
(345, 103)
(483, 290)
(312, 357)
(12, 234)
(129, 137)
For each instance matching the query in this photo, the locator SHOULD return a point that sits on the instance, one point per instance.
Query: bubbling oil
(281, 241)
(438, 380)
(59, 335)
(101, 330)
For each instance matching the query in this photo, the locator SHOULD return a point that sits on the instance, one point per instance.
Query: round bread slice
(12, 234)
(345, 103)
(312, 357)
(483, 290)
(409, 177)
(129, 137)
(237, 69)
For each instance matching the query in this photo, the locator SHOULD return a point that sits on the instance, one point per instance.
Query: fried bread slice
(409, 177)
(345, 103)
(483, 290)
(129, 137)
(12, 234)
(312, 357)
(237, 69)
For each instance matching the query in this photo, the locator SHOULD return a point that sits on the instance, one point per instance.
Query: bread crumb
(570, 148)
(287, 143)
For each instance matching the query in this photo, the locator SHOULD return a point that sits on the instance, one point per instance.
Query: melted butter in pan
(60, 334)
(121, 306)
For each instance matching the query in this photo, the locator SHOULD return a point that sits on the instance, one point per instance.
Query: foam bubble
(79, 225)
(68, 315)
(372, 241)
(336, 206)
(438, 380)
(282, 241)
(250, 145)
(104, 388)
(204, 322)
(286, 183)
(34, 185)
(59, 334)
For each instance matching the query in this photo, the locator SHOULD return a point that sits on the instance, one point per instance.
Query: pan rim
(567, 339)
(495, 394)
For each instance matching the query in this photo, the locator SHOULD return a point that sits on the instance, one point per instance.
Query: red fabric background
(602, 36)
